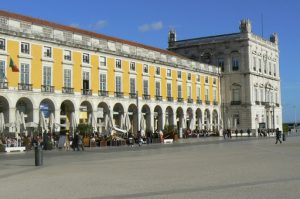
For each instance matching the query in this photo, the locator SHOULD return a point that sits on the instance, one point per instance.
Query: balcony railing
(132, 95)
(170, 99)
(207, 102)
(158, 98)
(216, 103)
(3, 85)
(199, 101)
(257, 102)
(47, 88)
(119, 94)
(25, 87)
(179, 99)
(235, 102)
(103, 93)
(86, 92)
(146, 97)
(67, 90)
(190, 100)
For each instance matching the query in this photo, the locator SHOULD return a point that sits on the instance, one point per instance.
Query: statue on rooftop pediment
(245, 26)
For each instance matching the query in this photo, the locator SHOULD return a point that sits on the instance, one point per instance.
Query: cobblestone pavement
(194, 168)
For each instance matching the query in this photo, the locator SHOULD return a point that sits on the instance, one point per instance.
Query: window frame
(23, 49)
(66, 56)
(47, 52)
(102, 61)
(86, 58)
(118, 64)
(3, 41)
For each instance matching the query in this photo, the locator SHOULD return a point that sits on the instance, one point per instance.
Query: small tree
(285, 128)
(85, 128)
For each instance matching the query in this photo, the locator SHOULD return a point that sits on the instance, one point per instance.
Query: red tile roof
(80, 31)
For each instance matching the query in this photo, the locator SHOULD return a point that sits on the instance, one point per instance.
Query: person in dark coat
(278, 135)
(75, 142)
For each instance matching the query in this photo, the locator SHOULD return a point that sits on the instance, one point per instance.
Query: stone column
(12, 117)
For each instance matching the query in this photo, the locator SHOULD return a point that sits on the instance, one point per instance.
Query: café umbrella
(42, 122)
(73, 123)
(2, 123)
(142, 126)
(23, 124)
(51, 122)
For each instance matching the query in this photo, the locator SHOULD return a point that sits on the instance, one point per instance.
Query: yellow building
(82, 76)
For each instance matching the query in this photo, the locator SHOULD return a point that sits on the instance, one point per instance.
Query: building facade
(68, 71)
(250, 81)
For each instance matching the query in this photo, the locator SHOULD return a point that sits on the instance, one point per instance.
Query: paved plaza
(212, 168)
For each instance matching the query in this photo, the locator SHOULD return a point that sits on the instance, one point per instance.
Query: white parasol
(142, 125)
(192, 123)
(127, 122)
(2, 123)
(183, 123)
(17, 124)
(73, 123)
(92, 121)
(23, 124)
(42, 122)
(199, 123)
(51, 123)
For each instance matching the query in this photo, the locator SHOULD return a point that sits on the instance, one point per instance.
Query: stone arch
(25, 105)
(169, 116)
(132, 112)
(207, 119)
(85, 110)
(118, 111)
(4, 108)
(66, 108)
(158, 118)
(199, 121)
(47, 107)
(146, 113)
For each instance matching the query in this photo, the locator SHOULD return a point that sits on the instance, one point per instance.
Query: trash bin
(38, 156)
(283, 137)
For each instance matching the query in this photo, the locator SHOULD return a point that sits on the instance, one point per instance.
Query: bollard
(38, 156)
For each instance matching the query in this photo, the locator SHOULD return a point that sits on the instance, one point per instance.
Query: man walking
(278, 135)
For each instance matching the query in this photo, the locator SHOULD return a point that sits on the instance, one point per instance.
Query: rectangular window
(85, 80)
(67, 78)
(256, 94)
(254, 63)
(25, 48)
(169, 72)
(169, 90)
(47, 51)
(189, 92)
(215, 95)
(179, 90)
(157, 88)
(236, 94)
(145, 68)
(103, 82)
(235, 64)
(198, 78)
(214, 81)
(189, 76)
(145, 85)
(2, 71)
(102, 61)
(2, 44)
(274, 69)
(206, 80)
(179, 74)
(206, 94)
(132, 66)
(47, 76)
(270, 68)
(118, 64)
(221, 64)
(265, 67)
(86, 58)
(132, 85)
(24, 74)
(118, 84)
(262, 95)
(198, 93)
(259, 64)
(67, 55)
(276, 97)
(157, 71)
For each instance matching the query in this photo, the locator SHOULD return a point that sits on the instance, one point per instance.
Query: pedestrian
(278, 135)
(80, 143)
(236, 132)
(248, 131)
(224, 134)
(75, 142)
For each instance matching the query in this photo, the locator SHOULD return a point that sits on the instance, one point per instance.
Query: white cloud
(151, 27)
(99, 24)
(75, 25)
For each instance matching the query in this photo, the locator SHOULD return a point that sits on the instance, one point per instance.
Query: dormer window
(47, 51)
(25, 48)
(86, 58)
(146, 68)
(67, 55)
(2, 44)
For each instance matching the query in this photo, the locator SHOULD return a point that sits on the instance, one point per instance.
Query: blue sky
(148, 22)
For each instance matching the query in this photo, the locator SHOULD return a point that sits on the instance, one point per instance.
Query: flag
(13, 66)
